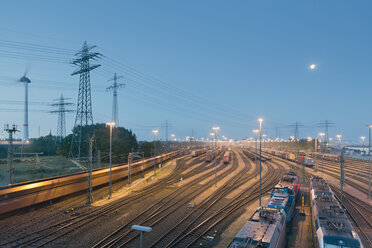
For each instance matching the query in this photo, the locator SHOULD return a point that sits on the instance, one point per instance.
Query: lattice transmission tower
(296, 126)
(326, 125)
(114, 87)
(79, 149)
(61, 111)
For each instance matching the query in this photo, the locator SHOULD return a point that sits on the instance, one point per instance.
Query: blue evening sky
(194, 63)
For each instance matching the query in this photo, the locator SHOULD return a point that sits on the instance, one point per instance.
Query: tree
(45, 144)
(124, 141)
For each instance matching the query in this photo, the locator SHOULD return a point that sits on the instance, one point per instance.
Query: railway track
(357, 210)
(237, 203)
(61, 228)
(124, 235)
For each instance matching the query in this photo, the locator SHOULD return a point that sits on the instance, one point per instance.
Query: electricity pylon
(61, 110)
(114, 87)
(79, 149)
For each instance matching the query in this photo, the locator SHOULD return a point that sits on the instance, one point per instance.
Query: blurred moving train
(302, 158)
(26, 194)
(331, 227)
(267, 226)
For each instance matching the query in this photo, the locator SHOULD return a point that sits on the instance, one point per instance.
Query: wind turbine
(26, 81)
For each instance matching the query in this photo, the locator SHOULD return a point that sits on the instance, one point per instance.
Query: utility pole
(80, 141)
(10, 131)
(114, 87)
(260, 120)
(61, 124)
(342, 173)
(90, 195)
(369, 161)
(111, 124)
(155, 132)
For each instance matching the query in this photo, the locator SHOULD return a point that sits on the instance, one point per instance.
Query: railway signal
(11, 131)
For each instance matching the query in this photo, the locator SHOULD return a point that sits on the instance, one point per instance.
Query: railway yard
(188, 203)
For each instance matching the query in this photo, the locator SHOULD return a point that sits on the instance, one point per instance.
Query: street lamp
(155, 132)
(110, 124)
(213, 135)
(216, 129)
(321, 149)
(260, 120)
(215, 159)
(362, 138)
(339, 136)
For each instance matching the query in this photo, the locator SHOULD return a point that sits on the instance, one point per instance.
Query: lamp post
(155, 132)
(110, 124)
(339, 136)
(363, 138)
(260, 120)
(216, 129)
(369, 161)
(321, 149)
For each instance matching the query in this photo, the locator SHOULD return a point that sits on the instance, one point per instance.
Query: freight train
(212, 154)
(227, 157)
(331, 227)
(302, 158)
(267, 226)
(198, 152)
(326, 156)
(26, 194)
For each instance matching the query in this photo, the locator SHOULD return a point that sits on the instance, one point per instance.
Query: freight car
(212, 154)
(308, 161)
(26, 194)
(331, 227)
(198, 152)
(327, 156)
(227, 157)
(291, 179)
